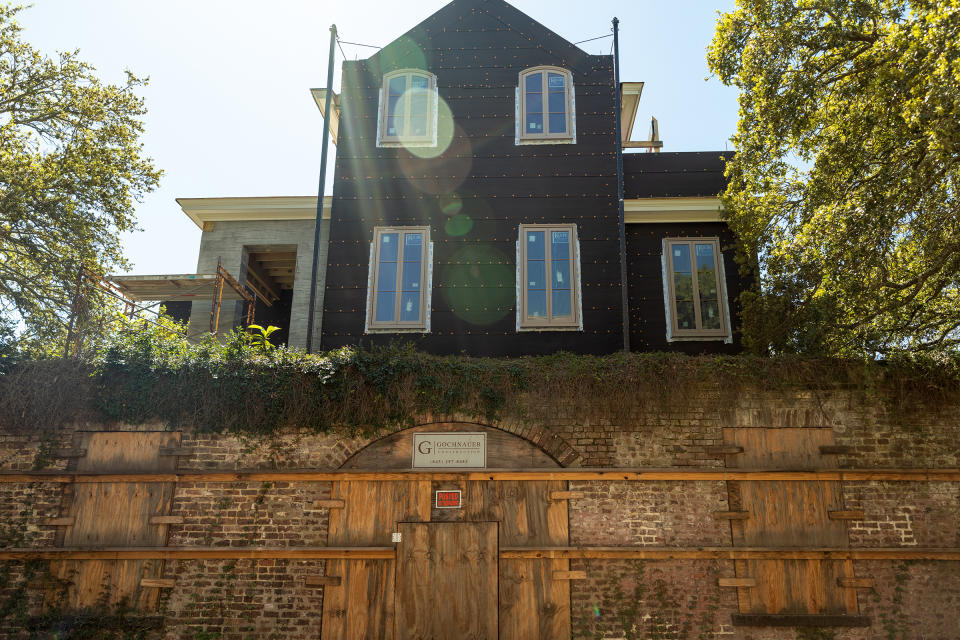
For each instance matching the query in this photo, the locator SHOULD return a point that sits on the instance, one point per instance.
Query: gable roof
(464, 14)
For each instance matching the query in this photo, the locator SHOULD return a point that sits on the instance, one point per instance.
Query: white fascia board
(202, 210)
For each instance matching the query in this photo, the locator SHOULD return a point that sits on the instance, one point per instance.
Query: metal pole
(624, 298)
(323, 179)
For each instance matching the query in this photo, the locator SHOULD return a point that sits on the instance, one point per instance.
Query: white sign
(451, 449)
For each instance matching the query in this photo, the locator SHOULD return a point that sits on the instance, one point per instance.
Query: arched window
(408, 109)
(545, 106)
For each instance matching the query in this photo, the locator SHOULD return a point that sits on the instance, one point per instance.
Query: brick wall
(239, 599)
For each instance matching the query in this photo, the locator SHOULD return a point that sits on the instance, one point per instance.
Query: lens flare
(479, 284)
(458, 225)
(445, 128)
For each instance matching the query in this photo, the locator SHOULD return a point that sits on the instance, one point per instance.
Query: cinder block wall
(227, 242)
(667, 599)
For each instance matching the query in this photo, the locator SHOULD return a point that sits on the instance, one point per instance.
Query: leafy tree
(845, 183)
(71, 167)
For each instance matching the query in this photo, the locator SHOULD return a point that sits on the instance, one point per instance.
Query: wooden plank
(166, 519)
(455, 594)
(115, 514)
(159, 583)
(506, 553)
(569, 575)
(728, 553)
(846, 515)
(736, 582)
(59, 522)
(731, 515)
(322, 581)
(856, 582)
(566, 495)
(198, 553)
(328, 504)
(610, 475)
(723, 449)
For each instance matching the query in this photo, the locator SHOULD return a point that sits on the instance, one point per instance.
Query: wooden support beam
(737, 582)
(569, 575)
(329, 504)
(835, 449)
(159, 583)
(731, 515)
(609, 475)
(727, 553)
(856, 583)
(166, 519)
(64, 521)
(199, 553)
(723, 450)
(69, 453)
(566, 495)
(846, 515)
(321, 581)
(506, 553)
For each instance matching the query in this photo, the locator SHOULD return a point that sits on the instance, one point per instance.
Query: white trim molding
(202, 210)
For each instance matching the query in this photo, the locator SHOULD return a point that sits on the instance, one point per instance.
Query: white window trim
(575, 263)
(433, 104)
(427, 287)
(519, 137)
(666, 272)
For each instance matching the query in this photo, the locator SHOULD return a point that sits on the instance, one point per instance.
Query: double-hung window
(399, 288)
(408, 109)
(548, 286)
(545, 106)
(696, 302)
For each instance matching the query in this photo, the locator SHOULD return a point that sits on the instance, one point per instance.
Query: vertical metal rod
(624, 297)
(323, 179)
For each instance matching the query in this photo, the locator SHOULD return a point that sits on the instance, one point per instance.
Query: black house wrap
(477, 191)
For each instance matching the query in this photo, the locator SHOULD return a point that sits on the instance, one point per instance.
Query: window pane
(392, 126)
(557, 102)
(558, 123)
(418, 103)
(681, 258)
(397, 85)
(534, 103)
(555, 82)
(418, 125)
(710, 314)
(536, 274)
(387, 278)
(419, 82)
(385, 302)
(393, 105)
(561, 274)
(411, 276)
(534, 123)
(683, 286)
(534, 83)
(412, 245)
(535, 245)
(706, 271)
(388, 247)
(560, 249)
(685, 315)
(537, 304)
(409, 306)
(561, 303)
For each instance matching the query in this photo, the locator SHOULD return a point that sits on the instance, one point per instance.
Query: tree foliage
(71, 168)
(845, 183)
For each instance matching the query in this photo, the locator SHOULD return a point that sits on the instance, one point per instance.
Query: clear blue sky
(230, 113)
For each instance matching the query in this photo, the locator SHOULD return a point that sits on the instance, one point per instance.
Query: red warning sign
(448, 499)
